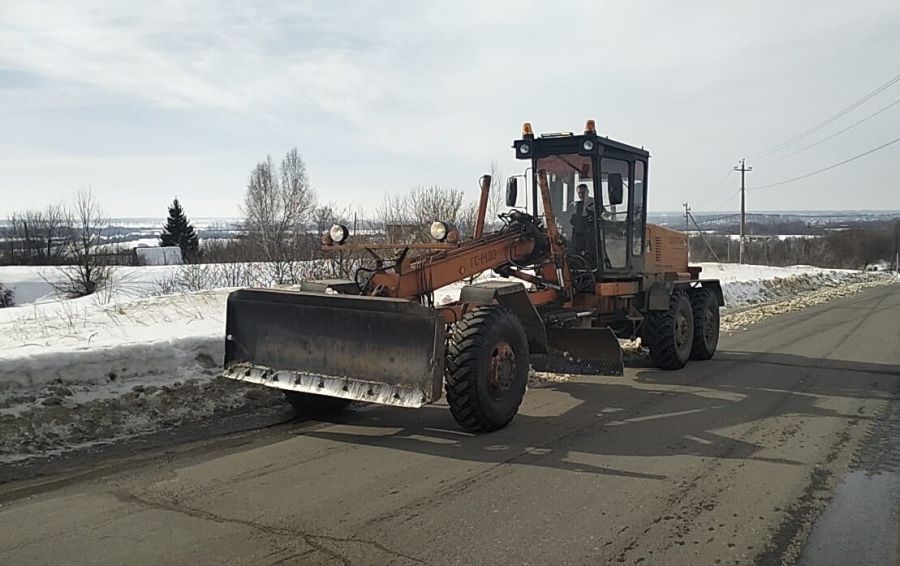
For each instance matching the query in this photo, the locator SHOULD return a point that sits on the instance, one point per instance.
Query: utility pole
(687, 226)
(743, 169)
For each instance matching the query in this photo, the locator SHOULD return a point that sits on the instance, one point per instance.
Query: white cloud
(428, 92)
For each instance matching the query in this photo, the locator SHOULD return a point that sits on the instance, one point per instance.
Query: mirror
(614, 188)
(512, 191)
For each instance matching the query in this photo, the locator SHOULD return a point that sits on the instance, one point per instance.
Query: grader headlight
(439, 230)
(339, 233)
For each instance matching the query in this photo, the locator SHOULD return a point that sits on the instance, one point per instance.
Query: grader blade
(593, 351)
(379, 350)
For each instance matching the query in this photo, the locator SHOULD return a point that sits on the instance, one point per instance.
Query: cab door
(615, 213)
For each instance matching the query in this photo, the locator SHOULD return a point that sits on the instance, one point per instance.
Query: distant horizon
(804, 212)
(114, 220)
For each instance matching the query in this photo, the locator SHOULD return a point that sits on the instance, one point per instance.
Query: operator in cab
(582, 219)
(582, 192)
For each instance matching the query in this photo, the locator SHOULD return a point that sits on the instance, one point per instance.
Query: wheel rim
(682, 329)
(502, 370)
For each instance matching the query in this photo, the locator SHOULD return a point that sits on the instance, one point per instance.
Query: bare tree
(407, 218)
(324, 217)
(435, 203)
(261, 206)
(497, 197)
(90, 267)
(54, 234)
(396, 220)
(466, 219)
(297, 195)
(278, 206)
(37, 237)
(338, 264)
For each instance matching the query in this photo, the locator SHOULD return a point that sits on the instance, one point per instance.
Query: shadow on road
(703, 410)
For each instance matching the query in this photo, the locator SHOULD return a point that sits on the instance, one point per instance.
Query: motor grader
(573, 277)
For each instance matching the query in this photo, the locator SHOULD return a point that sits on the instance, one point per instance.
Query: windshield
(594, 223)
(570, 180)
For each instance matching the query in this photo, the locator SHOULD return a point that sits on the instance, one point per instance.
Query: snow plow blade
(592, 351)
(378, 350)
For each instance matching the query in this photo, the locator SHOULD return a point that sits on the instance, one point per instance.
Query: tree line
(283, 220)
(281, 228)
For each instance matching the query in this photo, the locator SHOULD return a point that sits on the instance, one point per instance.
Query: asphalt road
(726, 461)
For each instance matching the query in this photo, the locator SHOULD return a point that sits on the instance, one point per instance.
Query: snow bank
(77, 341)
(75, 374)
(745, 285)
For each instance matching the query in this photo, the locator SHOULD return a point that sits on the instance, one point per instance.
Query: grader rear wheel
(670, 334)
(705, 307)
(487, 368)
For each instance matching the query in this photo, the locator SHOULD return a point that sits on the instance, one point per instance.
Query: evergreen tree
(178, 231)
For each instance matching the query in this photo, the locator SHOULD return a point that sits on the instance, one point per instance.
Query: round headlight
(524, 148)
(588, 145)
(338, 233)
(438, 230)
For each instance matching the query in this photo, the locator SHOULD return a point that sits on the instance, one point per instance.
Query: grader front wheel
(487, 368)
(670, 334)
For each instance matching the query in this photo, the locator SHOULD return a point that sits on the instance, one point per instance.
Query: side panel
(667, 250)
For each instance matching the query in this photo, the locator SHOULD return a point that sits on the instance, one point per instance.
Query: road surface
(726, 461)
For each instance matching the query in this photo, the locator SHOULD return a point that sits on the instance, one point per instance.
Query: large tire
(312, 405)
(670, 334)
(486, 368)
(705, 306)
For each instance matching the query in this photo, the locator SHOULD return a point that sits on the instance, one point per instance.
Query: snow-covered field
(33, 284)
(125, 362)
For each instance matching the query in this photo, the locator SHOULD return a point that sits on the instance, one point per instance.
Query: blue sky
(142, 101)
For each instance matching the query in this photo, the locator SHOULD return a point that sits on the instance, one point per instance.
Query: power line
(700, 233)
(854, 158)
(837, 133)
(708, 193)
(829, 120)
(726, 202)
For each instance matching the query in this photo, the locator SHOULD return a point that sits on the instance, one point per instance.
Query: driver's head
(582, 191)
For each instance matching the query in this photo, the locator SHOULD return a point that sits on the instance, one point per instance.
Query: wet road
(726, 461)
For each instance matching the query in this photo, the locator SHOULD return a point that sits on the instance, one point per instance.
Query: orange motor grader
(578, 269)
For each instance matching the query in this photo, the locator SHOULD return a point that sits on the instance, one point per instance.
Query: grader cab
(578, 269)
